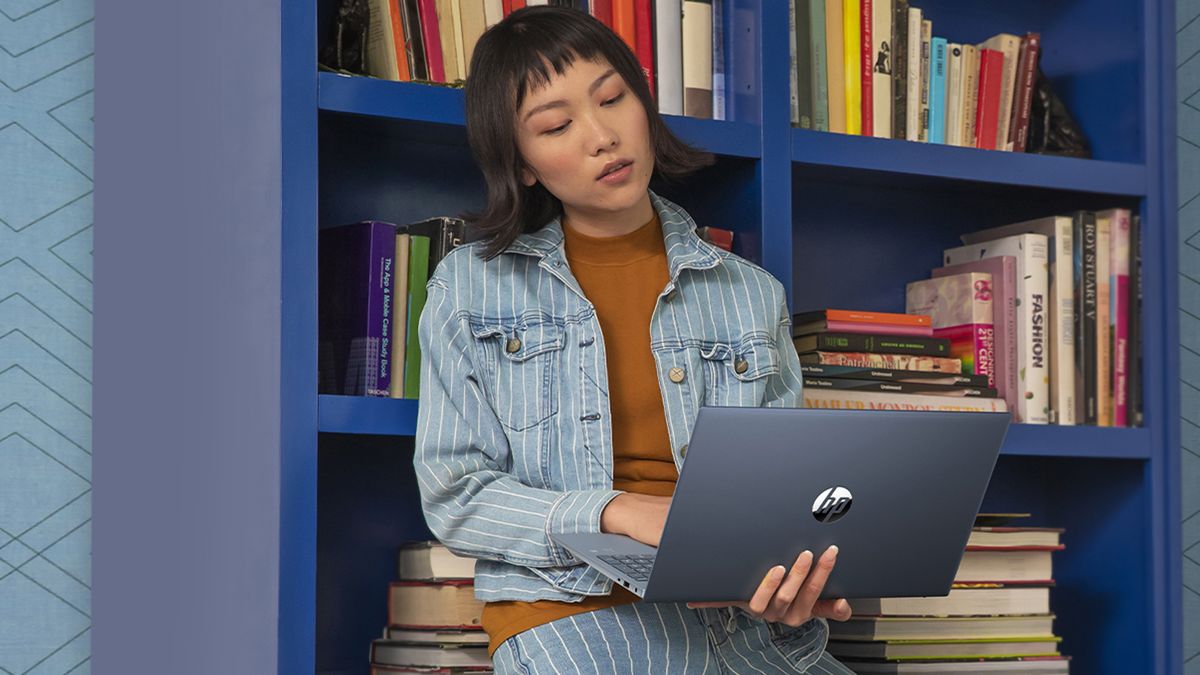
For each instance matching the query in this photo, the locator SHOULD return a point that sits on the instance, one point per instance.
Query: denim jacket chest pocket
(736, 372)
(519, 361)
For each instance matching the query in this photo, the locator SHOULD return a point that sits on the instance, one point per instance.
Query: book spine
(869, 400)
(888, 375)
(1103, 298)
(624, 22)
(1009, 386)
(601, 9)
(1026, 75)
(1087, 353)
(877, 329)
(866, 53)
(937, 90)
(881, 68)
(1062, 324)
(851, 56)
(418, 275)
(432, 39)
(974, 344)
(1034, 296)
(953, 94)
(1120, 316)
(413, 43)
(835, 65)
(383, 254)
(820, 67)
(891, 361)
(878, 344)
(399, 349)
(970, 95)
(847, 384)
(912, 103)
(991, 64)
(644, 37)
(697, 58)
(1009, 46)
(800, 52)
(668, 48)
(1135, 321)
(720, 108)
(881, 318)
(926, 56)
(900, 69)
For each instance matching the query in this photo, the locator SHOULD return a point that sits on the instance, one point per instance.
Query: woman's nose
(602, 136)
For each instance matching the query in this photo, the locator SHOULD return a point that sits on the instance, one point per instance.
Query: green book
(820, 76)
(418, 276)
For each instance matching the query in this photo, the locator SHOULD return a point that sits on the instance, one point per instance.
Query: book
(473, 16)
(395, 653)
(862, 317)
(822, 326)
(444, 9)
(414, 43)
(954, 94)
(418, 276)
(1003, 270)
(800, 54)
(867, 400)
(355, 269)
(946, 628)
(442, 637)
(849, 384)
(818, 65)
(1033, 665)
(899, 62)
(668, 52)
(1008, 537)
(892, 361)
(432, 561)
(981, 648)
(970, 94)
(722, 239)
(1008, 566)
(878, 344)
(912, 85)
(1031, 45)
(937, 90)
(1008, 45)
(444, 234)
(1085, 312)
(1033, 289)
(1060, 248)
(866, 61)
(625, 23)
(888, 375)
(961, 308)
(386, 57)
(835, 66)
(882, 67)
(383, 669)
(643, 33)
(962, 602)
(1119, 317)
(400, 315)
(433, 605)
(987, 100)
(1135, 322)
(720, 109)
(697, 58)
(852, 64)
(1103, 351)
(431, 39)
(926, 60)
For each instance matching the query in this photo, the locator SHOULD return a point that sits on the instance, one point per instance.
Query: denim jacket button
(587, 341)
(683, 450)
(513, 345)
(670, 295)
(677, 375)
(740, 366)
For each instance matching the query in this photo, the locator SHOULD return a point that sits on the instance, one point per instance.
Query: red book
(1018, 131)
(987, 116)
(865, 61)
(518, 4)
(432, 41)
(603, 11)
(644, 28)
(506, 6)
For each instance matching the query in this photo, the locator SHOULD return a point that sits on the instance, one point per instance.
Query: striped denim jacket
(513, 435)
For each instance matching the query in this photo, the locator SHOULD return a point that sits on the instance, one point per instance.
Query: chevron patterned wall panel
(1188, 111)
(45, 335)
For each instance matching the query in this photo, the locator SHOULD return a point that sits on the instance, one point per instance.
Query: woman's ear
(527, 177)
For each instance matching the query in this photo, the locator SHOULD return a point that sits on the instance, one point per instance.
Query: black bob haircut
(510, 59)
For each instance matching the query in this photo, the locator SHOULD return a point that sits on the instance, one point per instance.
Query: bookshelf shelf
(824, 152)
(430, 104)
(366, 415)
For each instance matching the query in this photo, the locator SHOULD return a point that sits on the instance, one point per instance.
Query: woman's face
(574, 129)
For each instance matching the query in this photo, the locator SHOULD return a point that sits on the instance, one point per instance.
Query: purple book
(1004, 310)
(355, 278)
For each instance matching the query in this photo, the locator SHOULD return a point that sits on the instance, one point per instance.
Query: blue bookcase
(843, 221)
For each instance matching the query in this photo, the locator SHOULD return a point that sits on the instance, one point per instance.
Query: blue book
(937, 90)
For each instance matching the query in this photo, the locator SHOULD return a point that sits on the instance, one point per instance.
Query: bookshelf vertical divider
(1115, 490)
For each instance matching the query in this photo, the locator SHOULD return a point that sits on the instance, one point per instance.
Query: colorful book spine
(900, 69)
(991, 70)
(936, 364)
(835, 65)
(881, 68)
(1103, 352)
(851, 57)
(1085, 317)
(644, 40)
(1033, 289)
(866, 59)
(937, 90)
(668, 50)
(836, 399)
(1003, 270)
(1135, 322)
(912, 103)
(961, 308)
(418, 276)
(432, 40)
(1120, 316)
(820, 67)
(1031, 47)
(926, 43)
(879, 344)
(720, 111)
(878, 329)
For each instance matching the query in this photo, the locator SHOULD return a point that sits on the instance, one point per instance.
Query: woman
(566, 354)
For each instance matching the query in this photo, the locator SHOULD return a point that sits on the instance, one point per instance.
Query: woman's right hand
(641, 517)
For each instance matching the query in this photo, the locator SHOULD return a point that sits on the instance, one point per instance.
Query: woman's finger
(782, 600)
(810, 592)
(766, 590)
(837, 609)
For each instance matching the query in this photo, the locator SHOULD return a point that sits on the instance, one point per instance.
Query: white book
(493, 10)
(1033, 296)
(913, 84)
(881, 69)
(1061, 244)
(1009, 45)
(962, 602)
(845, 399)
(954, 73)
(697, 59)
(793, 66)
(668, 50)
(970, 90)
(381, 44)
(926, 58)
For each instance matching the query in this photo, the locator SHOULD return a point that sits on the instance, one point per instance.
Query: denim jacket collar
(685, 248)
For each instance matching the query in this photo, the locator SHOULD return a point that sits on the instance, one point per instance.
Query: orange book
(402, 67)
(855, 316)
(624, 23)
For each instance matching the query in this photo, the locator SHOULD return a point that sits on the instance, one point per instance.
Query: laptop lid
(897, 491)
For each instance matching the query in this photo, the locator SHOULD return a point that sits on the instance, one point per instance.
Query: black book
(414, 44)
(1085, 348)
(899, 387)
(819, 370)
(875, 344)
(899, 69)
(1134, 381)
(444, 234)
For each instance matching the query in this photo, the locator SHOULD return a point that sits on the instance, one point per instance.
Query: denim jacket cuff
(575, 512)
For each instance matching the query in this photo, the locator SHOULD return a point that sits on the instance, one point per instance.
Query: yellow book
(851, 50)
(835, 67)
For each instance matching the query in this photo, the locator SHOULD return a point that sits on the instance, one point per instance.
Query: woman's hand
(641, 517)
(793, 599)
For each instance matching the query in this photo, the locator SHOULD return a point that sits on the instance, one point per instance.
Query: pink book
(1004, 318)
(1119, 314)
(961, 308)
(432, 40)
(878, 329)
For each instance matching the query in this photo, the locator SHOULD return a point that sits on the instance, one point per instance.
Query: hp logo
(832, 504)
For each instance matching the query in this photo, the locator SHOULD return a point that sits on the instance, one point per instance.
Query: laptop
(897, 491)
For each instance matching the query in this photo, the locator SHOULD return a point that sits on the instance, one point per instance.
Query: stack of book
(1067, 305)
(371, 279)
(996, 618)
(679, 43)
(879, 360)
(433, 616)
(875, 68)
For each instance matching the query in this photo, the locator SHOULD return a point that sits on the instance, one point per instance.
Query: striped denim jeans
(644, 638)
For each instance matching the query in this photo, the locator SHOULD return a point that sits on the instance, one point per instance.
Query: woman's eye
(614, 99)
(558, 130)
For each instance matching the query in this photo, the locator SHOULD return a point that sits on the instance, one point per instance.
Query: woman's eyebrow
(560, 103)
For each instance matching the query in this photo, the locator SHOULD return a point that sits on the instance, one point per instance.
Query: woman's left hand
(796, 598)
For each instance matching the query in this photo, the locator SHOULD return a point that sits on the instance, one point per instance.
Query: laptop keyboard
(636, 567)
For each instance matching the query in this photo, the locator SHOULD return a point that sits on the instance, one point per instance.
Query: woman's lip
(617, 176)
(619, 168)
